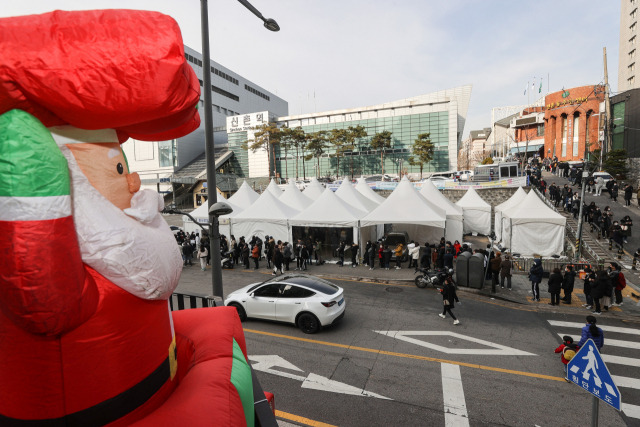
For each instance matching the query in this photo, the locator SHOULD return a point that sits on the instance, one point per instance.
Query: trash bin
(462, 269)
(475, 271)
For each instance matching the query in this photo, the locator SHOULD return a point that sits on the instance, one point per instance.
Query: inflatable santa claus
(87, 263)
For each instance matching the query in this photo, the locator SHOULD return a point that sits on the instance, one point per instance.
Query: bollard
(610, 244)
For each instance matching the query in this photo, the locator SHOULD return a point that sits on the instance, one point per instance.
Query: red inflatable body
(86, 336)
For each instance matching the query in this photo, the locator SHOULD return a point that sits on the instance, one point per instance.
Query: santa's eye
(120, 168)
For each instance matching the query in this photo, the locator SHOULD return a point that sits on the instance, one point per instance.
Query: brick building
(572, 122)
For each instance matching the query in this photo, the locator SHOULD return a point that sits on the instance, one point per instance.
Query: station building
(440, 114)
(572, 121)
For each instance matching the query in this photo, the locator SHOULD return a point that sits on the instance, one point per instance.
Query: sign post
(587, 369)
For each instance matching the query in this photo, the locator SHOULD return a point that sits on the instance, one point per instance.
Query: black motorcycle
(434, 278)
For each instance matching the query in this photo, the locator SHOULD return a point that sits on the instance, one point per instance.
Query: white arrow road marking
(603, 327)
(497, 349)
(312, 381)
(609, 341)
(455, 407)
(316, 382)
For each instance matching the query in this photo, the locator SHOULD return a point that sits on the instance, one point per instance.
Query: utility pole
(606, 144)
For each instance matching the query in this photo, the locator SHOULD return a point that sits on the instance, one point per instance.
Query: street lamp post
(216, 210)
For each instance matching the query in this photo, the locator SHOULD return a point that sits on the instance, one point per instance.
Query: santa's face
(120, 231)
(106, 169)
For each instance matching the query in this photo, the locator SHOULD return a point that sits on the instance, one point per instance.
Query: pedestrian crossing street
(621, 353)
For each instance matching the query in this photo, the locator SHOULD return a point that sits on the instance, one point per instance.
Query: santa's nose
(133, 179)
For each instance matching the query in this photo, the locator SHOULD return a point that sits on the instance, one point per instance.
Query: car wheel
(241, 313)
(308, 323)
(420, 282)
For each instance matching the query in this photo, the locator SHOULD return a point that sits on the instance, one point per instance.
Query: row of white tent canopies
(427, 215)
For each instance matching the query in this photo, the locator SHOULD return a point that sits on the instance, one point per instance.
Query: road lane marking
(302, 420)
(604, 328)
(631, 411)
(497, 349)
(615, 343)
(407, 356)
(266, 363)
(626, 382)
(609, 358)
(455, 407)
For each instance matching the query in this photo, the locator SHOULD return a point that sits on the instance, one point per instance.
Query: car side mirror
(252, 294)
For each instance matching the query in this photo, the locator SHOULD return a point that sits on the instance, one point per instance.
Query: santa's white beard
(140, 254)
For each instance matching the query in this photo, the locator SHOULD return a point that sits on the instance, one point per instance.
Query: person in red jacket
(567, 350)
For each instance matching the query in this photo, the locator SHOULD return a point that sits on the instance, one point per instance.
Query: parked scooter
(434, 278)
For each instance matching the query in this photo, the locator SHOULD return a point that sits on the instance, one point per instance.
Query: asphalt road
(392, 361)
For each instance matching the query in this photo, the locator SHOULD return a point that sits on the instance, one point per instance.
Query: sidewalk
(520, 293)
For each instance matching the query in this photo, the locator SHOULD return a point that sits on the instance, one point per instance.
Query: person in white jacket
(413, 250)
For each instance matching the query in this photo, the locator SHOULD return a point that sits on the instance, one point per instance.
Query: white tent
(534, 228)
(330, 211)
(476, 212)
(201, 215)
(314, 189)
(267, 216)
(244, 197)
(353, 197)
(364, 189)
(409, 211)
(454, 226)
(274, 189)
(513, 201)
(294, 198)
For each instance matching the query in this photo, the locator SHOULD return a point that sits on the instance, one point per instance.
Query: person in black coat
(278, 260)
(448, 259)
(589, 280)
(568, 281)
(448, 297)
(373, 254)
(555, 284)
(535, 276)
(425, 258)
(599, 289)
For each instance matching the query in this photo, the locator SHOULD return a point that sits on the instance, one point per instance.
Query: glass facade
(618, 111)
(364, 160)
(167, 153)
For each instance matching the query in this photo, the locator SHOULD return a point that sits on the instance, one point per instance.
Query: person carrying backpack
(567, 350)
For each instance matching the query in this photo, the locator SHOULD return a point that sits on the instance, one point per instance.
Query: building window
(631, 80)
(225, 93)
(632, 67)
(256, 92)
(632, 54)
(632, 40)
(224, 75)
(576, 128)
(540, 130)
(167, 153)
(634, 13)
(564, 136)
(632, 27)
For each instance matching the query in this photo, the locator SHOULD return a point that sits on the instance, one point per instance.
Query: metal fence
(178, 300)
(523, 265)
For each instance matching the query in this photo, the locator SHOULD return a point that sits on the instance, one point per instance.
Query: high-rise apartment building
(628, 77)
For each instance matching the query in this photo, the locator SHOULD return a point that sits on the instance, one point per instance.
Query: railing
(194, 300)
(523, 265)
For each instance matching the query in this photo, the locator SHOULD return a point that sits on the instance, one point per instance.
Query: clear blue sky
(350, 53)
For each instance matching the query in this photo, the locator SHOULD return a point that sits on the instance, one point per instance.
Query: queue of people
(602, 288)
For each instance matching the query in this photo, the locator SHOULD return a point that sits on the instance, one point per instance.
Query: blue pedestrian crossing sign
(588, 370)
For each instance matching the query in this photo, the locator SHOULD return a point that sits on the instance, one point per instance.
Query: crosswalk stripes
(625, 358)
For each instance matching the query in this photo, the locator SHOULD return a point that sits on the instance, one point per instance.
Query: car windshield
(394, 240)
